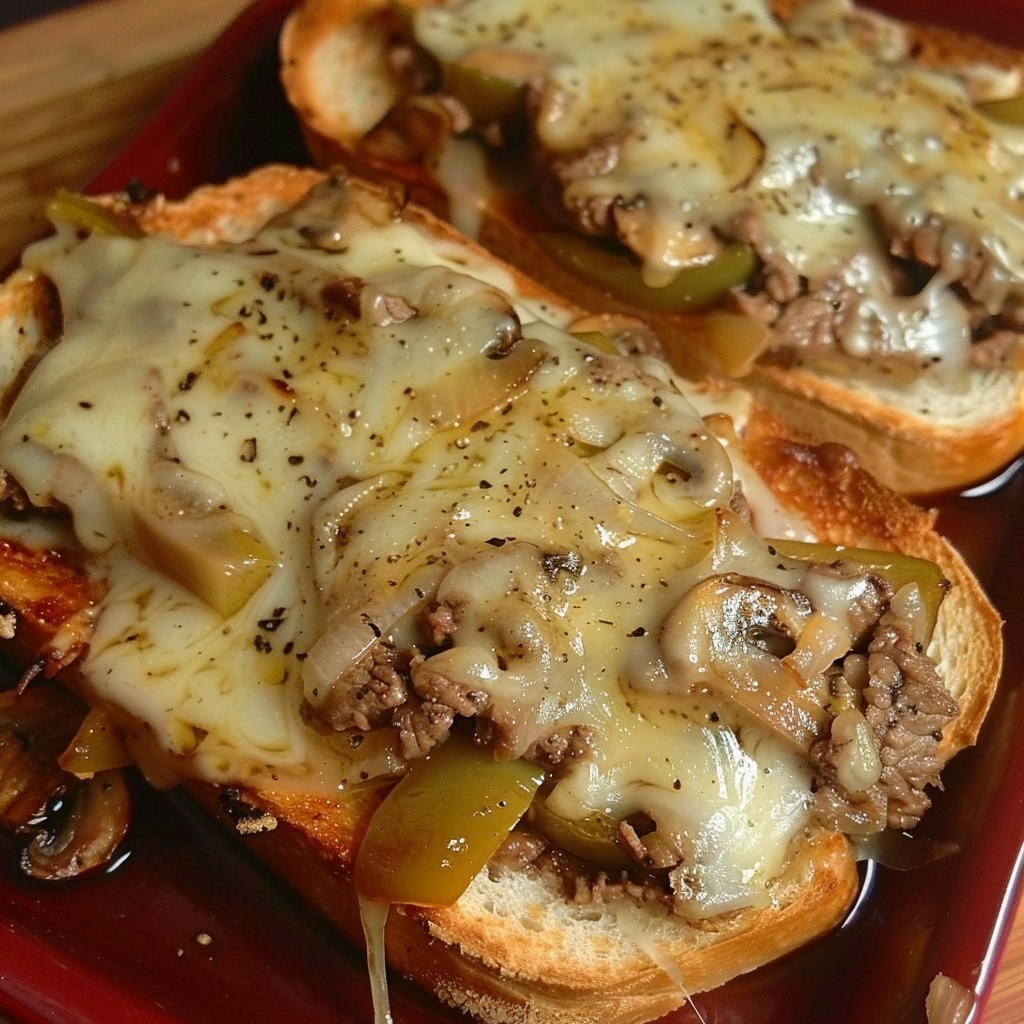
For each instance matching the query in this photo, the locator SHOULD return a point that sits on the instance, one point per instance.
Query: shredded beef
(528, 850)
(871, 602)
(594, 161)
(433, 706)
(649, 847)
(389, 687)
(421, 725)
(435, 687)
(592, 214)
(12, 495)
(367, 695)
(570, 744)
(800, 320)
(604, 889)
(401, 689)
(907, 707)
(807, 322)
(521, 848)
(954, 252)
(440, 622)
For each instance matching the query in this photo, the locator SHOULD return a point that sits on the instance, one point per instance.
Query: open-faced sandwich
(806, 194)
(461, 607)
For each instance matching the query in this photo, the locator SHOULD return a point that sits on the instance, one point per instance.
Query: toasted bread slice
(515, 947)
(919, 431)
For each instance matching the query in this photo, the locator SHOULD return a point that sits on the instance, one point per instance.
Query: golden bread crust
(527, 966)
(936, 45)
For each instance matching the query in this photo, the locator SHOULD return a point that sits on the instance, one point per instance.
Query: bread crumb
(253, 824)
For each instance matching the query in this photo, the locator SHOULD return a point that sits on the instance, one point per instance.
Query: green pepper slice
(693, 289)
(87, 215)
(441, 824)
(488, 98)
(896, 568)
(593, 838)
(1008, 111)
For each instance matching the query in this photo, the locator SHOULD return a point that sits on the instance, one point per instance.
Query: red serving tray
(188, 928)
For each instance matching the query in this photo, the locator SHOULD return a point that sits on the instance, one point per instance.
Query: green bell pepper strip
(441, 823)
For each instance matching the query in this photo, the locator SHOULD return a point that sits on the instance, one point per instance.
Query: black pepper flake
(485, 485)
(188, 382)
(296, 460)
(248, 450)
(498, 542)
(85, 405)
(268, 281)
(262, 644)
(639, 631)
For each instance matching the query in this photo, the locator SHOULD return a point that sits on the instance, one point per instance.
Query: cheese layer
(280, 452)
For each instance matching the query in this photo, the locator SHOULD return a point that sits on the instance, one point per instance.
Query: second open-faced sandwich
(810, 195)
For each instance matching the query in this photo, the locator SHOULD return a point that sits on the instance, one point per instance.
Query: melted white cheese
(816, 129)
(562, 499)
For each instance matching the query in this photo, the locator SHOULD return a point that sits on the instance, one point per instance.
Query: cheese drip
(686, 119)
(393, 429)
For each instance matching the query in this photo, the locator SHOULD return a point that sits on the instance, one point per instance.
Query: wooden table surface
(75, 85)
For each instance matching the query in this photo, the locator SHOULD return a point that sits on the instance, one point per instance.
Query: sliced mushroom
(70, 825)
(35, 727)
(729, 638)
(84, 824)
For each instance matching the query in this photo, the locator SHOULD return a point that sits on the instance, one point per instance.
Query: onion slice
(948, 1002)
(475, 387)
(352, 634)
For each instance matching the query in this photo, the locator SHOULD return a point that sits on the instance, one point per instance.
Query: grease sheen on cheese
(563, 498)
